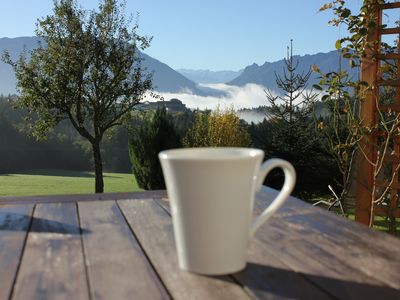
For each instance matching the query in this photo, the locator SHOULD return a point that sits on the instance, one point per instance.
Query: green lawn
(379, 222)
(53, 182)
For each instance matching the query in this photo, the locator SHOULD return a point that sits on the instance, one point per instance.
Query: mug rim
(211, 153)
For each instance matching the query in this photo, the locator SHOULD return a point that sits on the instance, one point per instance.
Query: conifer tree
(157, 133)
(291, 126)
(292, 110)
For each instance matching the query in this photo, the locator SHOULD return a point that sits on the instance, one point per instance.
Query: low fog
(248, 96)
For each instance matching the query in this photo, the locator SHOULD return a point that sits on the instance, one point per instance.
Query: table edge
(81, 197)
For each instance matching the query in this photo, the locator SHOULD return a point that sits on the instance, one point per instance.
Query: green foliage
(347, 132)
(217, 129)
(156, 133)
(115, 150)
(87, 70)
(20, 151)
(342, 128)
(198, 134)
(314, 166)
(63, 147)
(353, 46)
(289, 132)
(183, 121)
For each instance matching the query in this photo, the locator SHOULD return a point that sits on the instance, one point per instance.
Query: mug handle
(288, 185)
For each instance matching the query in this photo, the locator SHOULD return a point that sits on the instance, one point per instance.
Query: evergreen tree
(154, 135)
(291, 111)
(292, 135)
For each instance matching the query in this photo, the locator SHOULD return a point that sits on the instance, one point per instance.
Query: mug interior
(216, 153)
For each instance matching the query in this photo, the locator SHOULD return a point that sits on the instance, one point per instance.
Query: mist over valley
(198, 89)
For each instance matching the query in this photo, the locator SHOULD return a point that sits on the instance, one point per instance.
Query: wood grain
(117, 267)
(267, 277)
(153, 227)
(336, 254)
(52, 266)
(14, 224)
(302, 252)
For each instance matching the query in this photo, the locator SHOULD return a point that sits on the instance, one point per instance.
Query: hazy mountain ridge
(15, 46)
(207, 76)
(165, 79)
(265, 74)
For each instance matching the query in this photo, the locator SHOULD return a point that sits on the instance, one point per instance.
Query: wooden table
(121, 246)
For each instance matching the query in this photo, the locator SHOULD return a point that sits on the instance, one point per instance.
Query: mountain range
(207, 76)
(165, 79)
(265, 74)
(15, 47)
(185, 80)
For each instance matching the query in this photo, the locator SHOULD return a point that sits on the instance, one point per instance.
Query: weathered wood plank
(153, 227)
(336, 254)
(52, 266)
(357, 240)
(267, 277)
(80, 197)
(117, 267)
(14, 224)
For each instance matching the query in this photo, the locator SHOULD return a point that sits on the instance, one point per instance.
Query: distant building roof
(173, 105)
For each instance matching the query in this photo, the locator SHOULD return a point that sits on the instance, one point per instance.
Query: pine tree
(291, 126)
(145, 143)
(292, 110)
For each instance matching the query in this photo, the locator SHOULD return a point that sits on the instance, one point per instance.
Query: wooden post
(365, 176)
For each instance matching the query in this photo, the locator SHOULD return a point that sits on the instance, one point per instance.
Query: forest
(63, 148)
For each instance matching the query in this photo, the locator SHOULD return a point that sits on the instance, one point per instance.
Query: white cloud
(250, 95)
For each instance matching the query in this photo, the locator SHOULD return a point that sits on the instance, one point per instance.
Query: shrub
(217, 129)
(155, 134)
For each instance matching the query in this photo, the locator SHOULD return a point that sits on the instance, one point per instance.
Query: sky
(207, 34)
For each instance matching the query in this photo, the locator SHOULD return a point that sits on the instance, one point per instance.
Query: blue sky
(207, 34)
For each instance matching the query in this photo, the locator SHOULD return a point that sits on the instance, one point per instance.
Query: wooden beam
(389, 107)
(395, 30)
(384, 56)
(369, 71)
(390, 5)
(381, 211)
(395, 82)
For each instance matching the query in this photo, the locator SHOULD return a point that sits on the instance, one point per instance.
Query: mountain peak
(253, 66)
(265, 74)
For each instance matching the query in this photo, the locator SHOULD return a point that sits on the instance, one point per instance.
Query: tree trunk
(98, 168)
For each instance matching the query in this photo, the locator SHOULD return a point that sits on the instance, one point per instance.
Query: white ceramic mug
(211, 192)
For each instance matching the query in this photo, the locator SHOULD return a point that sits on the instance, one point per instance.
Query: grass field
(59, 182)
